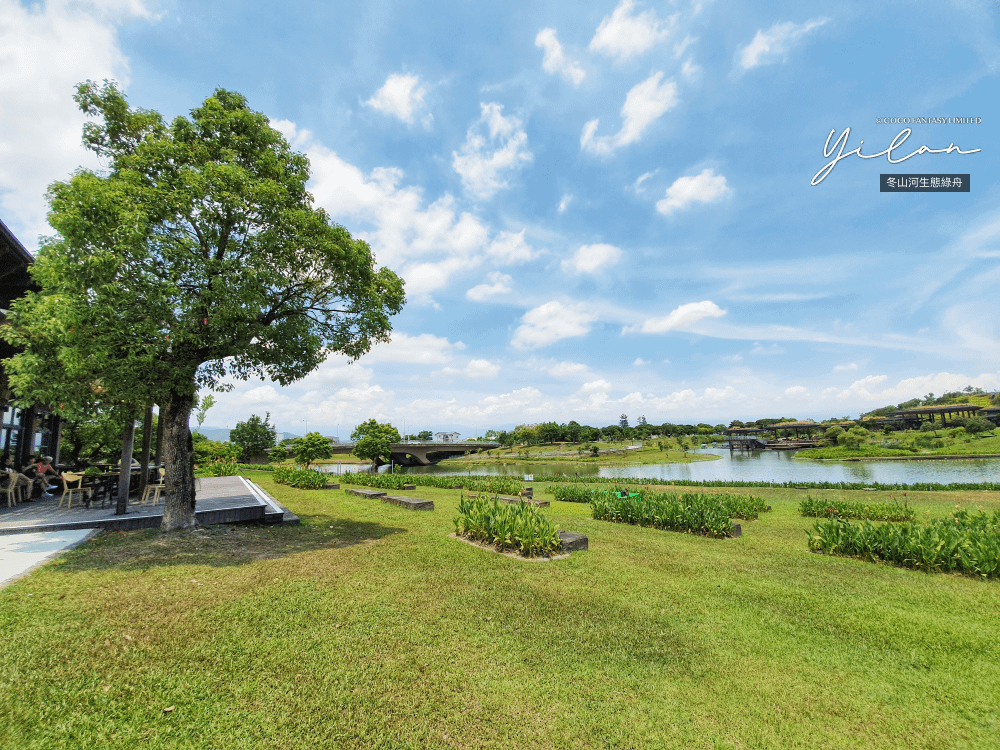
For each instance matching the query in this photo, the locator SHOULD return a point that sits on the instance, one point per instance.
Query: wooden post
(55, 442)
(159, 441)
(125, 475)
(147, 441)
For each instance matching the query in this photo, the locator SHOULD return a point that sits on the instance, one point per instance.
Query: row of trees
(574, 432)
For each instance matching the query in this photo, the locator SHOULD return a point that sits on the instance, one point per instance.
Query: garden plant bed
(512, 554)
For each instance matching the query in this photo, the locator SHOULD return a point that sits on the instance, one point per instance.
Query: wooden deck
(218, 500)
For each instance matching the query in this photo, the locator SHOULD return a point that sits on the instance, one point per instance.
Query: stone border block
(365, 493)
(331, 486)
(412, 503)
(409, 486)
(573, 542)
(737, 530)
(516, 500)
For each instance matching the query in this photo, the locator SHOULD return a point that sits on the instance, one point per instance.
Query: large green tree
(196, 255)
(255, 436)
(373, 441)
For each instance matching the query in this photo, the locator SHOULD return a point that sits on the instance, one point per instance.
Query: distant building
(448, 437)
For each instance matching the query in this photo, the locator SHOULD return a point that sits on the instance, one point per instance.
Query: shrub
(695, 514)
(306, 479)
(963, 543)
(507, 526)
(864, 511)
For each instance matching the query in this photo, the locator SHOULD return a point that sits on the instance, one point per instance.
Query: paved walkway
(219, 500)
(22, 553)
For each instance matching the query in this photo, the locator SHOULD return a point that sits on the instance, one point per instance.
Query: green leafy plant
(963, 543)
(304, 479)
(827, 508)
(507, 526)
(706, 515)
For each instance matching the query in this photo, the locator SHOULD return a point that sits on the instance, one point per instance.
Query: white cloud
(796, 391)
(426, 244)
(483, 158)
(551, 322)
(477, 369)
(680, 319)
(682, 45)
(866, 389)
(46, 48)
(705, 187)
(567, 369)
(402, 96)
(423, 349)
(845, 368)
(639, 361)
(596, 386)
(498, 283)
(644, 104)
(624, 34)
(637, 186)
(555, 61)
(590, 258)
(772, 46)
(690, 70)
(564, 203)
(509, 247)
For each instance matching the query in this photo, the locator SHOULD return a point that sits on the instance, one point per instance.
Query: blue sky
(598, 208)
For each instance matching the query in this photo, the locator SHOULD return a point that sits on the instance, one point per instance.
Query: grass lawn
(368, 627)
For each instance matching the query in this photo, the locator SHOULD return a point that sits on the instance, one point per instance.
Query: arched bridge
(425, 454)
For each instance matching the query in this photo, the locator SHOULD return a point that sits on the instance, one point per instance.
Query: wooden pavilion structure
(914, 418)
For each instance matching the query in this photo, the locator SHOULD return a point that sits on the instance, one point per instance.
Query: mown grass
(368, 627)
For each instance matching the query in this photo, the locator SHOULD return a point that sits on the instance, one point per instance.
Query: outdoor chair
(68, 491)
(154, 489)
(14, 491)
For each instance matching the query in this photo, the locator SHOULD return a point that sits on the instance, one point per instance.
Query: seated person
(8, 469)
(45, 469)
(32, 481)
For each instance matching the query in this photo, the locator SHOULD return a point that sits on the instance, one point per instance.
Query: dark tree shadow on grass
(219, 545)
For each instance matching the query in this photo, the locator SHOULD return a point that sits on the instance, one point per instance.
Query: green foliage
(853, 438)
(489, 485)
(828, 508)
(705, 515)
(93, 440)
(203, 405)
(964, 543)
(255, 436)
(195, 255)
(224, 468)
(832, 434)
(374, 441)
(311, 447)
(916, 486)
(206, 450)
(977, 425)
(277, 454)
(519, 526)
(305, 479)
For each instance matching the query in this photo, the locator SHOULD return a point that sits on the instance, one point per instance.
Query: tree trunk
(178, 506)
(125, 470)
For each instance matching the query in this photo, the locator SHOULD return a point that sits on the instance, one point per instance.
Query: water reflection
(760, 466)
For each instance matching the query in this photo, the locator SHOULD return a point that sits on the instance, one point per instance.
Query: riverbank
(614, 455)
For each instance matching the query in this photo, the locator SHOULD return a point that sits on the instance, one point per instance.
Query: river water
(760, 466)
